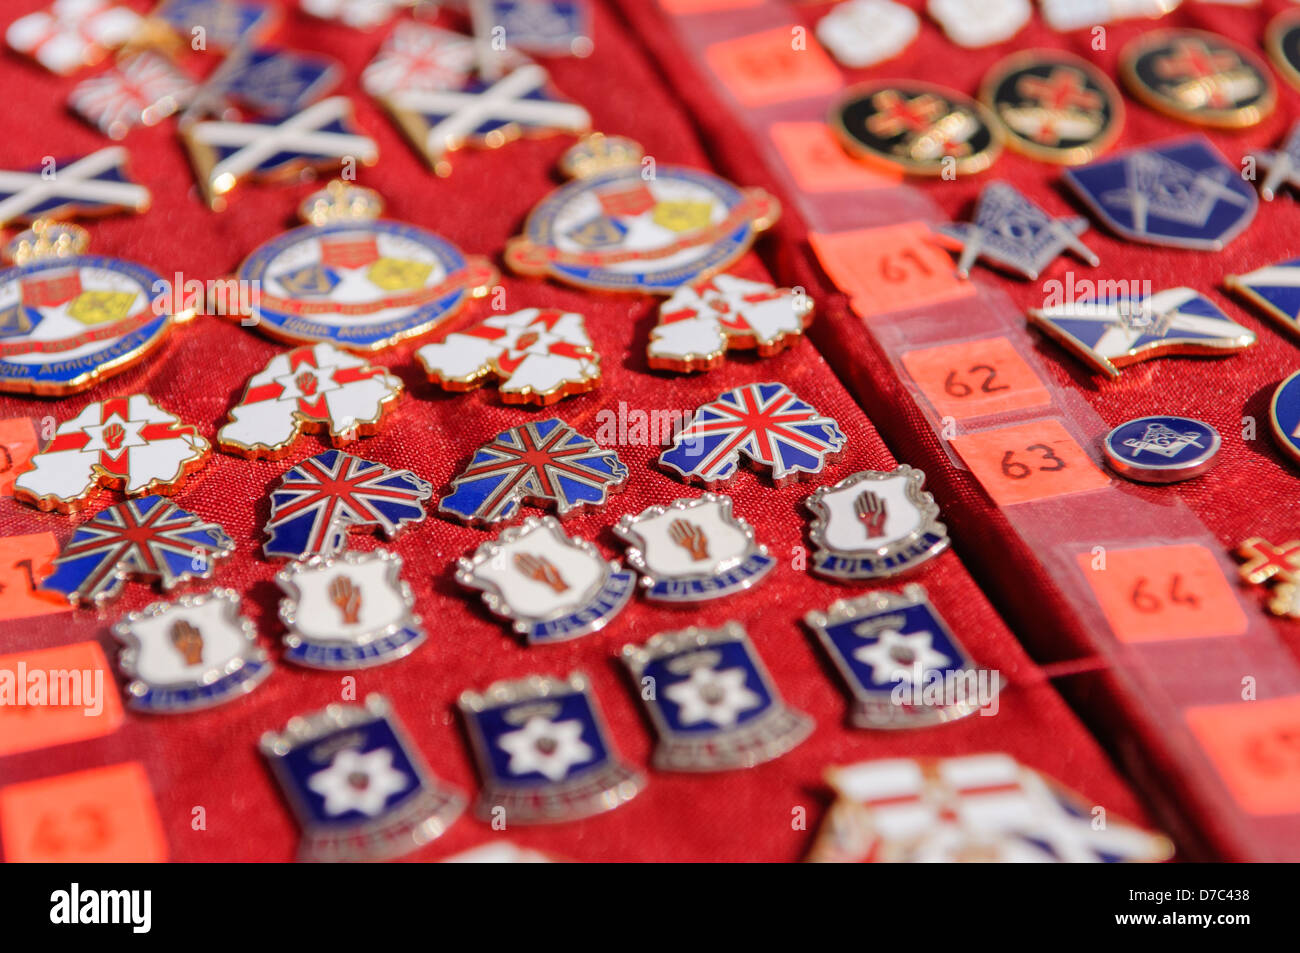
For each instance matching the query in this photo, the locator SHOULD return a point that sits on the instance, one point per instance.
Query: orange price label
(24, 562)
(975, 378)
(17, 446)
(1033, 461)
(767, 68)
(891, 268)
(819, 163)
(53, 696)
(104, 815)
(1163, 592)
(1255, 745)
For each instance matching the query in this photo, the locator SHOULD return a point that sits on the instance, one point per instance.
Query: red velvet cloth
(210, 759)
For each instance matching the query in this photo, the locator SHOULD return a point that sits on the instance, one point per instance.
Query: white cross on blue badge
(91, 185)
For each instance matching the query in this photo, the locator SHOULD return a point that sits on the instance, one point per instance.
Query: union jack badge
(357, 281)
(150, 539)
(536, 356)
(903, 666)
(543, 463)
(348, 611)
(767, 423)
(190, 654)
(874, 524)
(95, 184)
(1113, 335)
(1181, 193)
(226, 23)
(142, 89)
(1275, 289)
(552, 586)
(73, 33)
(1011, 231)
(701, 321)
(713, 704)
(544, 27)
(1198, 77)
(325, 496)
(693, 549)
(122, 443)
(543, 752)
(420, 57)
(357, 785)
(613, 229)
(313, 389)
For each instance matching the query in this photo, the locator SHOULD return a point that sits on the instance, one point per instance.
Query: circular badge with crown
(353, 279)
(628, 224)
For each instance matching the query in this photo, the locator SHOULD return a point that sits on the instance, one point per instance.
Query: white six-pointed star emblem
(358, 782)
(550, 748)
(711, 695)
(895, 657)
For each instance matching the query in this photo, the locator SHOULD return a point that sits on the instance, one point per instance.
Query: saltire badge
(546, 463)
(190, 654)
(357, 785)
(1113, 335)
(73, 33)
(903, 666)
(693, 549)
(149, 539)
(1265, 564)
(613, 229)
(1161, 449)
(320, 500)
(1198, 77)
(536, 356)
(874, 524)
(1281, 167)
(916, 127)
(551, 586)
(712, 701)
(1014, 233)
(312, 389)
(544, 27)
(1275, 289)
(142, 89)
(772, 427)
(1054, 106)
(1181, 193)
(357, 281)
(348, 611)
(543, 752)
(701, 321)
(1284, 413)
(122, 443)
(226, 23)
(224, 152)
(90, 185)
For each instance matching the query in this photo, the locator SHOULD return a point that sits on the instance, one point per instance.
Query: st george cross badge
(357, 281)
(123, 443)
(546, 463)
(701, 321)
(536, 356)
(348, 611)
(874, 524)
(1181, 193)
(1198, 77)
(1011, 231)
(619, 227)
(357, 785)
(1275, 289)
(73, 34)
(903, 666)
(1113, 335)
(543, 752)
(693, 549)
(713, 704)
(772, 427)
(150, 539)
(320, 500)
(190, 654)
(313, 389)
(550, 585)
(142, 89)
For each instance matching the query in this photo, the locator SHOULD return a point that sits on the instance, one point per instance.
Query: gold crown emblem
(340, 202)
(598, 153)
(47, 239)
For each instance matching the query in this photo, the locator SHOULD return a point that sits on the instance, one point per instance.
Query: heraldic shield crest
(712, 701)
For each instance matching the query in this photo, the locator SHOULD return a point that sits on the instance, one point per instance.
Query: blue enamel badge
(1285, 415)
(1161, 449)
(1275, 289)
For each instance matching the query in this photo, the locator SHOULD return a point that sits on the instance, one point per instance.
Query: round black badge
(1198, 77)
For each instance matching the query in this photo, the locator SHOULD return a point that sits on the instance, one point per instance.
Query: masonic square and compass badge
(627, 224)
(357, 281)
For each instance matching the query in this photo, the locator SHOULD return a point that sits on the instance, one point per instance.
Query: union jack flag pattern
(314, 389)
(142, 89)
(538, 355)
(72, 33)
(767, 423)
(543, 463)
(323, 497)
(124, 443)
(420, 57)
(147, 539)
(701, 321)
